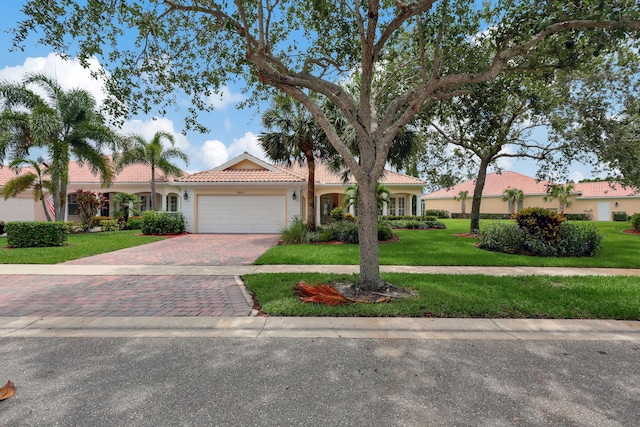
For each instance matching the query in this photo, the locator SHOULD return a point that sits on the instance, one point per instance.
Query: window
(392, 206)
(144, 203)
(172, 203)
(400, 206)
(105, 208)
(72, 204)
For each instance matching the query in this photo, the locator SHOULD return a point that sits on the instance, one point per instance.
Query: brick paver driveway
(77, 295)
(190, 249)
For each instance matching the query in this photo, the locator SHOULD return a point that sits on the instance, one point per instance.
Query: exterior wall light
(293, 196)
(185, 195)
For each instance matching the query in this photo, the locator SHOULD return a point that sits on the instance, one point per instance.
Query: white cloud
(69, 73)
(215, 152)
(227, 124)
(576, 176)
(148, 128)
(224, 97)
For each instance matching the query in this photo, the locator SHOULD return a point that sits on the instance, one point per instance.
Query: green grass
(470, 296)
(78, 246)
(442, 247)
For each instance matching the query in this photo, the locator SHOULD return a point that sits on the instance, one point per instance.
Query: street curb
(320, 327)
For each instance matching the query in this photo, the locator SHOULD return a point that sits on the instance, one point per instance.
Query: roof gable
(494, 186)
(245, 161)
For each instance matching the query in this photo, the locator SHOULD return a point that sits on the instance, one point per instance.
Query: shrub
(134, 223)
(620, 216)
(337, 214)
(89, 204)
(407, 218)
(36, 234)
(1, 227)
(436, 212)
(635, 221)
(502, 237)
(540, 222)
(484, 215)
(160, 222)
(384, 231)
(578, 217)
(416, 224)
(109, 225)
(349, 217)
(346, 231)
(578, 240)
(297, 232)
(325, 234)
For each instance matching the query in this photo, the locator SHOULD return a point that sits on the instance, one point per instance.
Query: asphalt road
(318, 382)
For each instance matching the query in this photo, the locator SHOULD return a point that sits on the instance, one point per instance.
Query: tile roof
(495, 185)
(324, 175)
(137, 173)
(242, 175)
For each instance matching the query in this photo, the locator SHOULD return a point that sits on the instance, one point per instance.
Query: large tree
(294, 135)
(64, 123)
(308, 47)
(154, 154)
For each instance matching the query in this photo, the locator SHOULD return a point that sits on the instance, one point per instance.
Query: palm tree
(34, 180)
(562, 193)
(128, 203)
(298, 138)
(514, 196)
(462, 196)
(152, 153)
(65, 123)
(351, 195)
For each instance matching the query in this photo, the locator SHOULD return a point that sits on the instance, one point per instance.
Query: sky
(233, 131)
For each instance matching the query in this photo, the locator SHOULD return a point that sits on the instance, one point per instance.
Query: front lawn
(442, 247)
(78, 246)
(544, 297)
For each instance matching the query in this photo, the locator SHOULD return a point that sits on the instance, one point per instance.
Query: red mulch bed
(631, 231)
(466, 235)
(165, 235)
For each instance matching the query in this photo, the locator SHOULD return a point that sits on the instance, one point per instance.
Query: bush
(407, 218)
(89, 204)
(297, 232)
(620, 216)
(416, 224)
(1, 227)
(384, 231)
(635, 221)
(109, 225)
(325, 234)
(346, 231)
(337, 214)
(573, 240)
(436, 212)
(578, 217)
(36, 234)
(540, 222)
(484, 215)
(502, 237)
(134, 223)
(160, 222)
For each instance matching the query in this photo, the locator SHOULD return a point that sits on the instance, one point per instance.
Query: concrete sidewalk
(238, 270)
(320, 327)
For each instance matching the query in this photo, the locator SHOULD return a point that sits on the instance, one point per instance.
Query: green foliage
(128, 204)
(36, 234)
(436, 213)
(572, 240)
(635, 221)
(298, 232)
(134, 223)
(578, 217)
(89, 204)
(620, 216)
(407, 218)
(337, 213)
(456, 215)
(1, 227)
(540, 222)
(345, 231)
(109, 225)
(416, 223)
(159, 222)
(384, 231)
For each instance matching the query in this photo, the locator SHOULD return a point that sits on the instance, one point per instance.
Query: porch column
(384, 207)
(318, 210)
(418, 206)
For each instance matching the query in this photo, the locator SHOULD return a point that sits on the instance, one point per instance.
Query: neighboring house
(599, 199)
(243, 195)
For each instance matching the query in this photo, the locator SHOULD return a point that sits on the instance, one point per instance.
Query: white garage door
(17, 210)
(241, 214)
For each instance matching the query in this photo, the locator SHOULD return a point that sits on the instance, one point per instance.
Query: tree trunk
(311, 189)
(46, 209)
(153, 188)
(369, 278)
(477, 197)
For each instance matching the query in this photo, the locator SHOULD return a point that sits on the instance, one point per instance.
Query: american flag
(51, 206)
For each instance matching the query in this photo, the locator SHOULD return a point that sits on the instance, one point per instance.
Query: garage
(16, 209)
(240, 213)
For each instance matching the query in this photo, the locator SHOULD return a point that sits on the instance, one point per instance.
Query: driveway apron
(133, 295)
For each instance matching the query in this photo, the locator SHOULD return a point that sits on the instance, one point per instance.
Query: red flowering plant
(89, 204)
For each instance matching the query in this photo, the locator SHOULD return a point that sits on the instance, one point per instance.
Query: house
(243, 195)
(599, 199)
(248, 195)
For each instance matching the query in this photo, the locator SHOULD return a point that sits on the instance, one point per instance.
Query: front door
(604, 211)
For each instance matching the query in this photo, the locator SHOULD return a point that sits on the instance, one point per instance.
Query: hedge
(36, 234)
